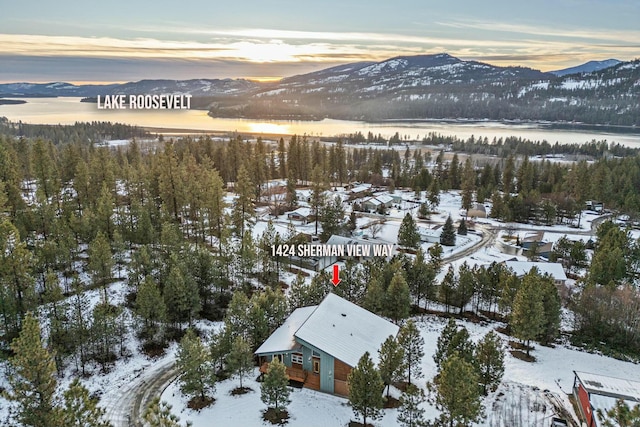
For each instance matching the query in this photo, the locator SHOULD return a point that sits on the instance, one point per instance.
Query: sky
(117, 41)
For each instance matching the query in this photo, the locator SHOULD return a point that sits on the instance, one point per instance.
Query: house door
(313, 379)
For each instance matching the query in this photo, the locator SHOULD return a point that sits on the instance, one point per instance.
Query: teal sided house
(321, 344)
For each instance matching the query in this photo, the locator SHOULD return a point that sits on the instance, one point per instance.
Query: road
(126, 405)
(488, 236)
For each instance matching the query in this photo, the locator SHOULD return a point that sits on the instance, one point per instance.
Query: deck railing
(295, 374)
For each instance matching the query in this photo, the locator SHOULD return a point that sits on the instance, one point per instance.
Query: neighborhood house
(320, 344)
(598, 393)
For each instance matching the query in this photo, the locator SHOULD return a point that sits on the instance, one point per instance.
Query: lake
(71, 110)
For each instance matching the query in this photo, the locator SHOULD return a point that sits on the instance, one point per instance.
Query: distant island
(12, 101)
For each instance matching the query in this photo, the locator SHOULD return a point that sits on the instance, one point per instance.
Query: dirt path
(126, 405)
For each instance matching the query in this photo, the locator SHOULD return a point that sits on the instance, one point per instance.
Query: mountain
(196, 87)
(587, 67)
(444, 87)
(377, 91)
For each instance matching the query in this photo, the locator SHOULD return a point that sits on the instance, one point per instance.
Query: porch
(294, 374)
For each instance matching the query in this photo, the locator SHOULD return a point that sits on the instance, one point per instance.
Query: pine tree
(274, 389)
(448, 235)
(104, 333)
(466, 287)
(468, 184)
(374, 299)
(104, 212)
(390, 356)
(317, 193)
(620, 415)
(17, 286)
(498, 207)
(446, 292)
(32, 381)
(243, 209)
(408, 235)
(332, 218)
(412, 344)
(197, 375)
(180, 296)
(453, 341)
(151, 306)
(80, 409)
(434, 194)
(410, 413)
(240, 359)
(219, 348)
(353, 284)
(158, 414)
(423, 211)
(444, 342)
(552, 309)
(171, 181)
(462, 227)
(365, 389)
(237, 320)
(397, 299)
(421, 278)
(527, 316)
(489, 357)
(457, 393)
(101, 263)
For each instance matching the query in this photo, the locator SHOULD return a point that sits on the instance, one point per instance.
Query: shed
(598, 393)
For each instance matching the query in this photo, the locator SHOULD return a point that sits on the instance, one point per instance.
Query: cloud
(21, 68)
(620, 36)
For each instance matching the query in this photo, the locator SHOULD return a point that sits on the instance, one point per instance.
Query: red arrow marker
(336, 275)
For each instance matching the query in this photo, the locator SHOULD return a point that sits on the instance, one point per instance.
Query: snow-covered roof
(360, 188)
(303, 211)
(343, 240)
(282, 339)
(345, 331)
(553, 269)
(429, 231)
(610, 386)
(385, 198)
(374, 201)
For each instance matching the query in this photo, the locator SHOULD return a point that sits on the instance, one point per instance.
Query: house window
(278, 356)
(296, 358)
(316, 366)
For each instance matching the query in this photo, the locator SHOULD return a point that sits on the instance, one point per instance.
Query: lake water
(71, 110)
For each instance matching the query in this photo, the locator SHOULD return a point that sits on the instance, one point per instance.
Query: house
(359, 190)
(477, 210)
(371, 204)
(319, 345)
(350, 241)
(595, 206)
(303, 215)
(532, 238)
(430, 235)
(595, 393)
(553, 269)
